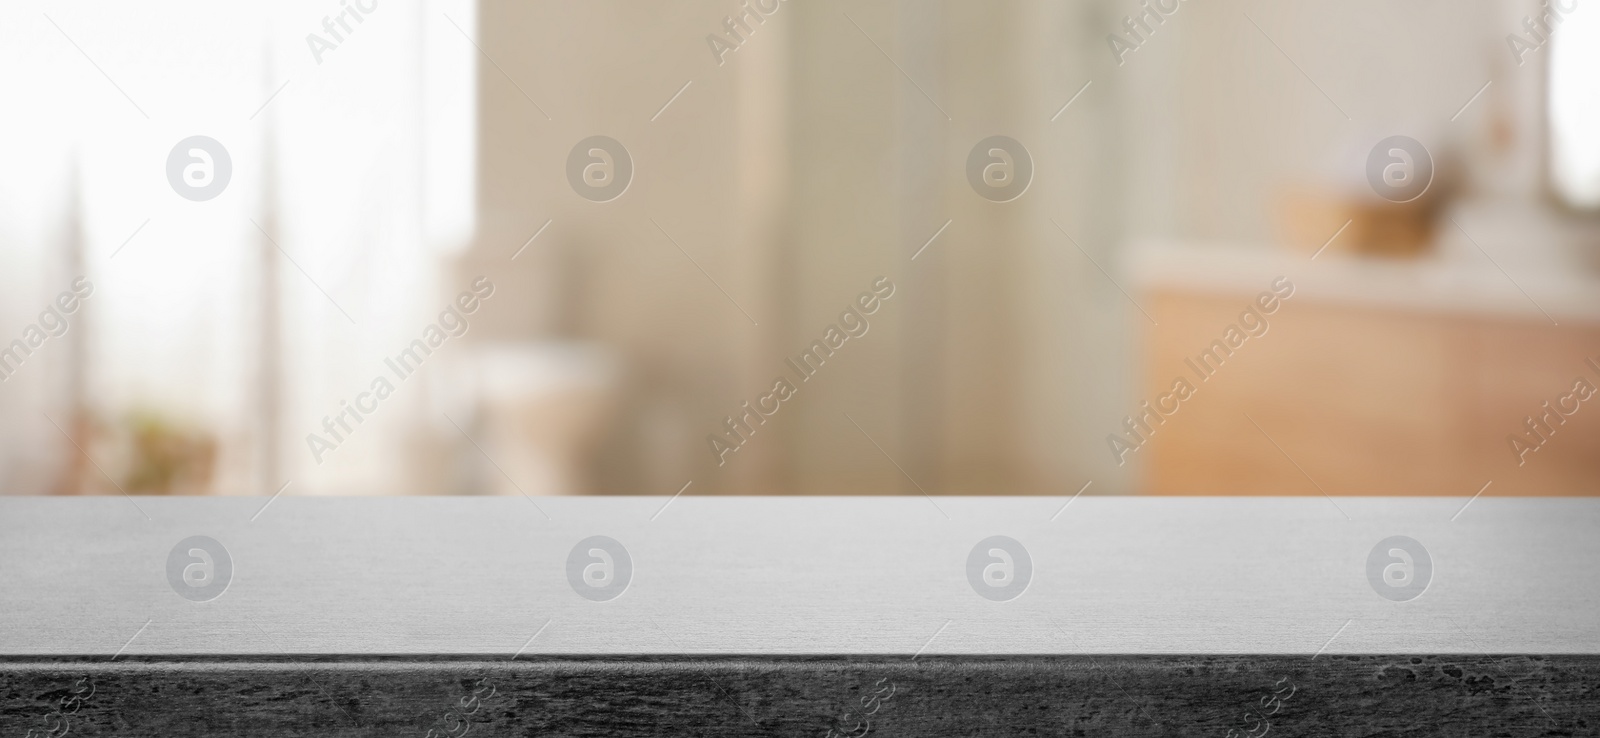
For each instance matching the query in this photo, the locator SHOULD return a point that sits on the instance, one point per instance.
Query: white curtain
(355, 157)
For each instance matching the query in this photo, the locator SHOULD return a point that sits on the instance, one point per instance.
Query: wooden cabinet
(1368, 400)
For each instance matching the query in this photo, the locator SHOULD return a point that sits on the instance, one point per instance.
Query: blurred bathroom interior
(1196, 292)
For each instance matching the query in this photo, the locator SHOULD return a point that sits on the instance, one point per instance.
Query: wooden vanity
(1377, 377)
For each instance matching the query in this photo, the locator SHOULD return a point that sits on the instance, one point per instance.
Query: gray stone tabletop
(436, 617)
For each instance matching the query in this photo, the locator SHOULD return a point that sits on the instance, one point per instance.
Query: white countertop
(815, 575)
(1466, 283)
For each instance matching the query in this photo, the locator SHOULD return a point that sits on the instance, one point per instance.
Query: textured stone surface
(1342, 695)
